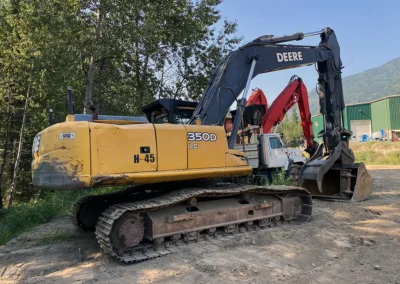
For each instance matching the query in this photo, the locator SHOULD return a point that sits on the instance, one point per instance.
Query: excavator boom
(333, 161)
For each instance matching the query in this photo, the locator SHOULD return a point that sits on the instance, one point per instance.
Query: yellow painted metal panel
(234, 161)
(237, 152)
(171, 147)
(207, 146)
(119, 149)
(166, 176)
(97, 154)
(61, 156)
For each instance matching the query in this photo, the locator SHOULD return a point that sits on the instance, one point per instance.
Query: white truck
(267, 154)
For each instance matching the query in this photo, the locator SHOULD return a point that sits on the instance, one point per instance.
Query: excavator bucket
(336, 176)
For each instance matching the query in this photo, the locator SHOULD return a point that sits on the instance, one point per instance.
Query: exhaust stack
(69, 100)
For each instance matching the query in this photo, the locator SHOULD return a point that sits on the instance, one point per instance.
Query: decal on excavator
(148, 158)
(65, 136)
(193, 146)
(289, 56)
(201, 136)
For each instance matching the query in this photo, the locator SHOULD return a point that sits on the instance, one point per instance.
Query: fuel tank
(82, 155)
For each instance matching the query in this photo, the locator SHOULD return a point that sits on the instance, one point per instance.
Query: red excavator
(258, 113)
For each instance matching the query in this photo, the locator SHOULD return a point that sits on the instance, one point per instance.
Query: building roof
(365, 103)
(357, 104)
(387, 97)
(374, 101)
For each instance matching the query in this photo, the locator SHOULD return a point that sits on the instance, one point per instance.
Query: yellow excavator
(186, 181)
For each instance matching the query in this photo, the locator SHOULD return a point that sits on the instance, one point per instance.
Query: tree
(160, 49)
(116, 55)
(20, 145)
(295, 115)
(291, 129)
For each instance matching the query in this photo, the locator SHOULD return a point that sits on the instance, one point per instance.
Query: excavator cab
(169, 111)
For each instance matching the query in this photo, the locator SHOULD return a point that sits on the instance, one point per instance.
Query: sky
(368, 32)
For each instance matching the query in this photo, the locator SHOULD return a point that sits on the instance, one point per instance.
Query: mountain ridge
(366, 86)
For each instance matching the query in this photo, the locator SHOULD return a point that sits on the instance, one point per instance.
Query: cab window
(275, 143)
(182, 116)
(160, 118)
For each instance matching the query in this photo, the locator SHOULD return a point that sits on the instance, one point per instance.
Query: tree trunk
(6, 147)
(139, 88)
(92, 67)
(19, 151)
(89, 85)
(4, 159)
(100, 85)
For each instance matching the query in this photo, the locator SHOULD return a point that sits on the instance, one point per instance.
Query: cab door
(278, 157)
(206, 146)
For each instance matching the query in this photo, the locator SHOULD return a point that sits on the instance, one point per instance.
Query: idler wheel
(87, 213)
(128, 232)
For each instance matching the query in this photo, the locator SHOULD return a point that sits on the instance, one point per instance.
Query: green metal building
(368, 120)
(317, 126)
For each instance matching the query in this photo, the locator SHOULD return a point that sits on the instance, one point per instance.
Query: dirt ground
(345, 242)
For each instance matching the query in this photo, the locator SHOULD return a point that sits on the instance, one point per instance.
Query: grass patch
(276, 178)
(377, 153)
(371, 157)
(385, 146)
(281, 179)
(21, 217)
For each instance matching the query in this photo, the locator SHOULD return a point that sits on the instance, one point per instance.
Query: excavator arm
(294, 92)
(268, 54)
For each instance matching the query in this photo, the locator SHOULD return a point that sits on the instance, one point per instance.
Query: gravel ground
(345, 242)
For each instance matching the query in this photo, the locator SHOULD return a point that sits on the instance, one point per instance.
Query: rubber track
(148, 251)
(77, 207)
(92, 198)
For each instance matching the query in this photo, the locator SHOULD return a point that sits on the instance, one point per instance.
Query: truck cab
(269, 152)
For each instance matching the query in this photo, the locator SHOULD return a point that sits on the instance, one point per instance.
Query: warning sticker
(66, 136)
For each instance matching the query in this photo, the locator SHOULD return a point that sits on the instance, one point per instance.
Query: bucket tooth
(363, 186)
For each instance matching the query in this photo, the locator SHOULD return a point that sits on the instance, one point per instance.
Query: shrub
(23, 216)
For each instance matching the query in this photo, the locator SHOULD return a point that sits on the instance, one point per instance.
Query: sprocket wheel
(86, 213)
(128, 231)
